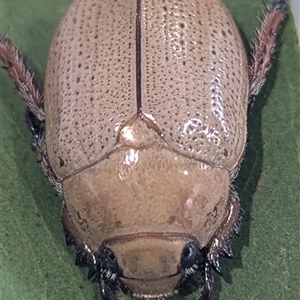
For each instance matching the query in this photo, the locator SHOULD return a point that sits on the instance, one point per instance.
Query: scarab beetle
(142, 128)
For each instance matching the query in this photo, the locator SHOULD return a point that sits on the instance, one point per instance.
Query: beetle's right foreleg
(22, 77)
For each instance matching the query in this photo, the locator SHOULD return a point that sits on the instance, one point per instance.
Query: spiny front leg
(84, 254)
(264, 44)
(36, 128)
(22, 77)
(220, 245)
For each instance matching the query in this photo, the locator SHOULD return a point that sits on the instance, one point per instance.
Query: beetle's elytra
(145, 110)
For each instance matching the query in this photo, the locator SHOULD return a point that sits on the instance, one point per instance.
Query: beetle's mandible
(142, 128)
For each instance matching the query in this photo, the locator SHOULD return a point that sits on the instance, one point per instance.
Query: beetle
(142, 128)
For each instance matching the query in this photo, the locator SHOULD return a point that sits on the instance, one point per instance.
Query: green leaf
(36, 263)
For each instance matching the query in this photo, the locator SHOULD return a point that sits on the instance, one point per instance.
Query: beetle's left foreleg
(220, 244)
(39, 147)
(103, 263)
(84, 254)
(263, 46)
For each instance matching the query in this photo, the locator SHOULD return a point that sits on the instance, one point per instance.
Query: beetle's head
(148, 266)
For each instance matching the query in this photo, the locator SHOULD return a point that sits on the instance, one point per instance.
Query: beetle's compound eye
(190, 258)
(108, 263)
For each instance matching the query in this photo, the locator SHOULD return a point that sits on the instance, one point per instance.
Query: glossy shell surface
(191, 81)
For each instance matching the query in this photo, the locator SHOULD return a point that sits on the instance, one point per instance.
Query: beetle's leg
(108, 270)
(39, 147)
(22, 77)
(84, 254)
(106, 293)
(220, 244)
(261, 55)
(104, 264)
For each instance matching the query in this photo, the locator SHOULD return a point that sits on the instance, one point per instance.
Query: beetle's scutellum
(145, 110)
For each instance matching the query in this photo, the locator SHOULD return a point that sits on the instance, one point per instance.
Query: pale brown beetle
(147, 184)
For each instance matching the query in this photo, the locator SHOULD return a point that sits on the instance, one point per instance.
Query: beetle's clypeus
(145, 109)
